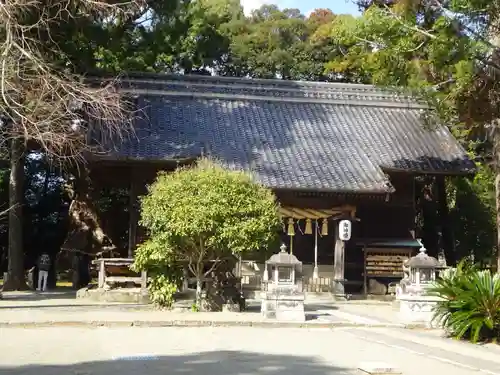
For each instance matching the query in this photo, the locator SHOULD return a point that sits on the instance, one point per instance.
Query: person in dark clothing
(43, 271)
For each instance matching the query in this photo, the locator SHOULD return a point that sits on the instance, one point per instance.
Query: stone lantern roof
(423, 260)
(284, 258)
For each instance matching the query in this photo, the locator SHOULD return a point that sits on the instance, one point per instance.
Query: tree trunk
(196, 267)
(427, 203)
(199, 290)
(15, 273)
(85, 237)
(446, 241)
(497, 197)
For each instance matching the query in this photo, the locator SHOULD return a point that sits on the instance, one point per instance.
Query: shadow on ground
(205, 363)
(60, 298)
(311, 309)
(254, 306)
(31, 295)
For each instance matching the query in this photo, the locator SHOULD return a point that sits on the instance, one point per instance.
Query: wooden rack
(384, 263)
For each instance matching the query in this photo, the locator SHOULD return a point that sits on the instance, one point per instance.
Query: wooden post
(365, 276)
(144, 279)
(338, 266)
(133, 215)
(102, 274)
(185, 278)
(315, 269)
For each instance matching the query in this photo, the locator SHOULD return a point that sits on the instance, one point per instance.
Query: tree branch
(50, 108)
(213, 267)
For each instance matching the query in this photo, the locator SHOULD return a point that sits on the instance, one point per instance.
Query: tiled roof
(299, 135)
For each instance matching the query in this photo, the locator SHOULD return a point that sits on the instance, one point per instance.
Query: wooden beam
(124, 279)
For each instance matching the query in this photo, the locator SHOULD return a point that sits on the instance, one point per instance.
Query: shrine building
(329, 151)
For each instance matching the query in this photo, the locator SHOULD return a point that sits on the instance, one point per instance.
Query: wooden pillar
(338, 266)
(144, 279)
(102, 274)
(185, 278)
(133, 214)
(315, 269)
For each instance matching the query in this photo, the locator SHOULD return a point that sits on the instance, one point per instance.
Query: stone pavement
(234, 351)
(55, 339)
(30, 309)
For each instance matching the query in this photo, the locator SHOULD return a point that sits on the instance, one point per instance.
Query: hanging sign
(345, 229)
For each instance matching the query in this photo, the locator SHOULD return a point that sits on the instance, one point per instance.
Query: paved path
(219, 350)
(233, 351)
(62, 308)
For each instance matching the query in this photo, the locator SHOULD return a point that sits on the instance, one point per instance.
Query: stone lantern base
(283, 305)
(418, 309)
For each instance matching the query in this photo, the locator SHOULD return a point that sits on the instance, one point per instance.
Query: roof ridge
(242, 97)
(138, 76)
(247, 80)
(288, 91)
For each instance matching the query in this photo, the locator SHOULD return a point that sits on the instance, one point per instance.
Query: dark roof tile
(290, 134)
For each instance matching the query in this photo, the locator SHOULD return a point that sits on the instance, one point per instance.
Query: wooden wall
(380, 216)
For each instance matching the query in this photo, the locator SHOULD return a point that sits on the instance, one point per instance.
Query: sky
(305, 6)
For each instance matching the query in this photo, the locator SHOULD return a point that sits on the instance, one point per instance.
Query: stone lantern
(282, 295)
(415, 305)
(423, 270)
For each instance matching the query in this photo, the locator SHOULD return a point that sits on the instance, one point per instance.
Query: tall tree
(43, 106)
(162, 36)
(274, 43)
(444, 51)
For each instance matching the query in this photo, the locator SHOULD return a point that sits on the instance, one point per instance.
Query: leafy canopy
(206, 213)
(442, 50)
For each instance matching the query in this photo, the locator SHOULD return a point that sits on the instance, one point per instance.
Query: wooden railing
(117, 270)
(310, 284)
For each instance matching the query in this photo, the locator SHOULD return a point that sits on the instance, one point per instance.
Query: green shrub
(471, 303)
(162, 290)
(164, 272)
(204, 215)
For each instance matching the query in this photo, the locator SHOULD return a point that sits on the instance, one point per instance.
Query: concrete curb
(202, 323)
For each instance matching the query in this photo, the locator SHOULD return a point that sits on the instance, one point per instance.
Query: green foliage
(209, 209)
(428, 50)
(472, 214)
(169, 36)
(162, 290)
(471, 303)
(205, 213)
(443, 55)
(162, 269)
(274, 43)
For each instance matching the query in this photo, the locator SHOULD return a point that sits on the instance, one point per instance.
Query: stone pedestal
(283, 296)
(415, 305)
(283, 305)
(418, 309)
(315, 272)
(338, 289)
(123, 295)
